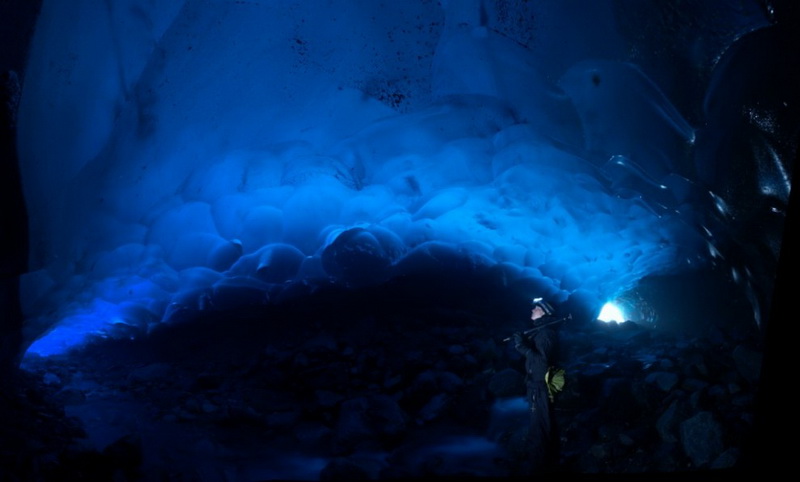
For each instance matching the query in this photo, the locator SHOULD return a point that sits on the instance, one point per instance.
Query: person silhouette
(538, 346)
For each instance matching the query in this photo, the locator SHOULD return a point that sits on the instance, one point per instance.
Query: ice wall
(204, 155)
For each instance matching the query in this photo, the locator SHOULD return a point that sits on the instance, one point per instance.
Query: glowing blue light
(205, 196)
(611, 312)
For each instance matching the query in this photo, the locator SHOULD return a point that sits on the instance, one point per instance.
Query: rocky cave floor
(325, 393)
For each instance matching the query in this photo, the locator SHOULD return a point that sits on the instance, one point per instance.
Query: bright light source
(611, 312)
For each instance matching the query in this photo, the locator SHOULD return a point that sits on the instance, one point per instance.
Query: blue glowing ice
(196, 153)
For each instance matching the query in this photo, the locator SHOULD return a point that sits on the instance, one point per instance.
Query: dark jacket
(539, 350)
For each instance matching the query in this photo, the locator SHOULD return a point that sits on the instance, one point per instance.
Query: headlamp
(545, 306)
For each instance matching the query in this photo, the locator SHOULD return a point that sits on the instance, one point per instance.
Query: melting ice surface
(201, 155)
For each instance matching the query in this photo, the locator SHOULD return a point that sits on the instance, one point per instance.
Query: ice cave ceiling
(174, 152)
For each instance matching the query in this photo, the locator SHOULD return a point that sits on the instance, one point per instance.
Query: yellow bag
(554, 378)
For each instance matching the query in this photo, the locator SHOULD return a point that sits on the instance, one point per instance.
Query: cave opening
(291, 240)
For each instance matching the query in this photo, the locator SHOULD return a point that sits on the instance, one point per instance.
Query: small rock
(343, 469)
(456, 350)
(51, 379)
(665, 381)
(701, 437)
(748, 363)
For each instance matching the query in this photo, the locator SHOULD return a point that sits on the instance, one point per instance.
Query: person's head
(540, 308)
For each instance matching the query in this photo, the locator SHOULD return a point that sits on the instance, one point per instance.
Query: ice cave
(252, 240)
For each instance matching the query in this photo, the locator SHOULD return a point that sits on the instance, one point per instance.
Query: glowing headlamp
(545, 306)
